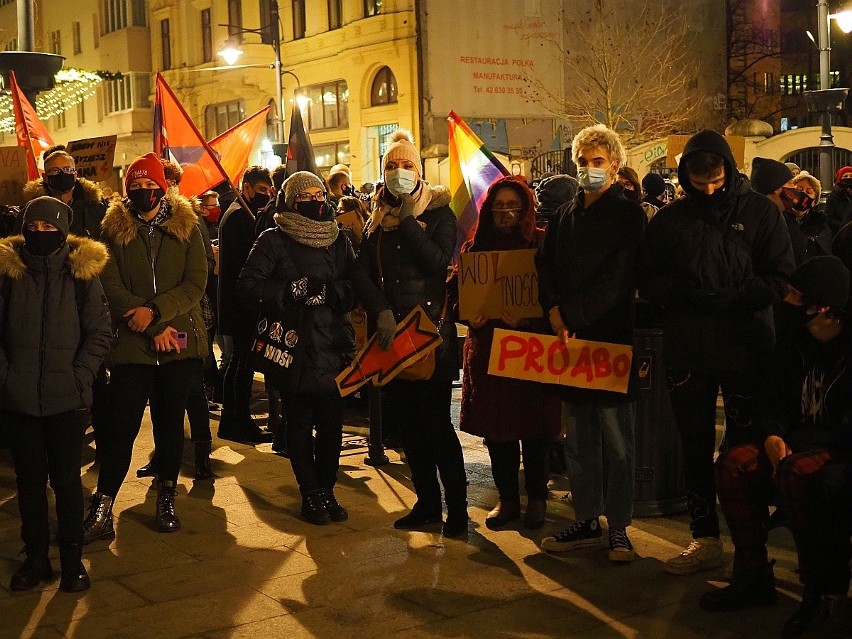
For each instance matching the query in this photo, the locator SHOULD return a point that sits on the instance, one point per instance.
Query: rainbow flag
(473, 169)
(30, 132)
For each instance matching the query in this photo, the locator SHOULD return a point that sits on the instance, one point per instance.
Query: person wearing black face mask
(715, 262)
(838, 205)
(56, 331)
(307, 267)
(809, 231)
(60, 180)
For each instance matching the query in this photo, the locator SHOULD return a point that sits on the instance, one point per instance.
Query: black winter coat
(87, 203)
(716, 266)
(51, 348)
(410, 266)
(809, 236)
(265, 285)
(236, 237)
(838, 208)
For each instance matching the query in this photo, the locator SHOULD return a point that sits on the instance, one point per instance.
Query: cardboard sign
(416, 337)
(94, 157)
(677, 142)
(545, 359)
(13, 174)
(491, 282)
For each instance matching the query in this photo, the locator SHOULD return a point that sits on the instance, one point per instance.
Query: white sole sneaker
(550, 544)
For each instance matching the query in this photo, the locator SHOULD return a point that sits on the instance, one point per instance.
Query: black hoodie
(716, 265)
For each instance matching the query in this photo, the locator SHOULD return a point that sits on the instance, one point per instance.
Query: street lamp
(826, 100)
(230, 54)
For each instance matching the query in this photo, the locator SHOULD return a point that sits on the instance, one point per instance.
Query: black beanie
(769, 175)
(653, 184)
(823, 281)
(555, 190)
(49, 209)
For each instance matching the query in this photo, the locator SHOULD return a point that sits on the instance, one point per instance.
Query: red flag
(300, 152)
(176, 137)
(28, 128)
(234, 145)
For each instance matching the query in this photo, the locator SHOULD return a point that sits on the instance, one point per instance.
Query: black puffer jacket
(51, 348)
(264, 284)
(716, 265)
(838, 208)
(88, 205)
(810, 235)
(410, 266)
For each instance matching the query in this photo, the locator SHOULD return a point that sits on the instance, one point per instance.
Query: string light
(72, 87)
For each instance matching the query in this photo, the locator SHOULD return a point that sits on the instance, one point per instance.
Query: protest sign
(93, 157)
(545, 359)
(416, 337)
(13, 174)
(494, 282)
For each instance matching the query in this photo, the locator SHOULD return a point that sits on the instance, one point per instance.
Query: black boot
(202, 460)
(335, 510)
(505, 512)
(750, 588)
(420, 515)
(35, 569)
(149, 469)
(815, 613)
(74, 576)
(314, 510)
(167, 520)
(98, 522)
(457, 520)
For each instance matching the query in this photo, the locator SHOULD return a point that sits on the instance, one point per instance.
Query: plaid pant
(812, 487)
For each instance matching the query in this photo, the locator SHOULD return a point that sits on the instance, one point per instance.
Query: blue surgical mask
(591, 179)
(400, 181)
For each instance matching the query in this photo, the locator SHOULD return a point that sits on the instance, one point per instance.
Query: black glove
(385, 329)
(308, 290)
(406, 209)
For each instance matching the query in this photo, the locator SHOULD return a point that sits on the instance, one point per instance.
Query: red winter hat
(147, 166)
(843, 169)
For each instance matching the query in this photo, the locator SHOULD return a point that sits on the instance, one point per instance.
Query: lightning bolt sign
(416, 336)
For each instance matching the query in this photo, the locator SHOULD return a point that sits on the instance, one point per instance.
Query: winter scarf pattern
(308, 232)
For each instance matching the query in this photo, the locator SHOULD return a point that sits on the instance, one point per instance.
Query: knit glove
(406, 209)
(385, 329)
(308, 290)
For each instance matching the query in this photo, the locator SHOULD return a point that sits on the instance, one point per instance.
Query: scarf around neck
(305, 231)
(387, 215)
(164, 213)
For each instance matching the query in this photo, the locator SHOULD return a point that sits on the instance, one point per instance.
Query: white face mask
(400, 181)
(591, 179)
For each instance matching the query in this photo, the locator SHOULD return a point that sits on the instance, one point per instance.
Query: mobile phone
(181, 341)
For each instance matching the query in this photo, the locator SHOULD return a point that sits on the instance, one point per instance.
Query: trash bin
(658, 486)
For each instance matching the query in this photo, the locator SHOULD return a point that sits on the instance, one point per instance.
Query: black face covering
(43, 242)
(61, 183)
(258, 201)
(349, 190)
(145, 200)
(313, 209)
(846, 183)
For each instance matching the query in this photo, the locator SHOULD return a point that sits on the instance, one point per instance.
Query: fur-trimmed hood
(441, 196)
(121, 225)
(83, 189)
(87, 258)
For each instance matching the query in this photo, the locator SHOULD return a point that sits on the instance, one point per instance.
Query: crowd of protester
(111, 305)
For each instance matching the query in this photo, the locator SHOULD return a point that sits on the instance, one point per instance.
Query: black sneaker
(620, 548)
(581, 534)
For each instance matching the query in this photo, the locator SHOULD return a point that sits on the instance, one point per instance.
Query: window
(298, 19)
(81, 113)
(119, 14)
(235, 20)
(218, 118)
(327, 105)
(59, 122)
(266, 23)
(327, 155)
(75, 38)
(384, 89)
(55, 42)
(206, 36)
(372, 7)
(165, 44)
(335, 14)
(96, 30)
(131, 90)
(769, 83)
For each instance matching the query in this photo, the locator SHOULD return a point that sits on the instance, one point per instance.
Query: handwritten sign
(416, 337)
(491, 282)
(13, 174)
(676, 143)
(545, 359)
(93, 157)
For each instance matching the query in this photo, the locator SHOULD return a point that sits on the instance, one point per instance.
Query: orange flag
(28, 128)
(177, 138)
(234, 145)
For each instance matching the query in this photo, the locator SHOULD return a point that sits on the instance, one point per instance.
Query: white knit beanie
(402, 148)
(297, 183)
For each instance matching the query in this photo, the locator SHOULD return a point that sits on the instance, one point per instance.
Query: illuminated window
(384, 89)
(218, 118)
(372, 7)
(325, 106)
(327, 155)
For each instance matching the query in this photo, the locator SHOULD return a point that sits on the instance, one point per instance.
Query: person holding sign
(715, 261)
(60, 180)
(407, 249)
(586, 270)
(491, 406)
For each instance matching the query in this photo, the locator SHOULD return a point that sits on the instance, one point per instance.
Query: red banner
(31, 133)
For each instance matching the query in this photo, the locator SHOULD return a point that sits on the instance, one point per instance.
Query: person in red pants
(802, 461)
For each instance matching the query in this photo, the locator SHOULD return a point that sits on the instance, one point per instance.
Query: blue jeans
(595, 432)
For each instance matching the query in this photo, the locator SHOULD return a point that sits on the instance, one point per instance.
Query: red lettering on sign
(557, 352)
(510, 348)
(621, 365)
(535, 351)
(584, 365)
(600, 357)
